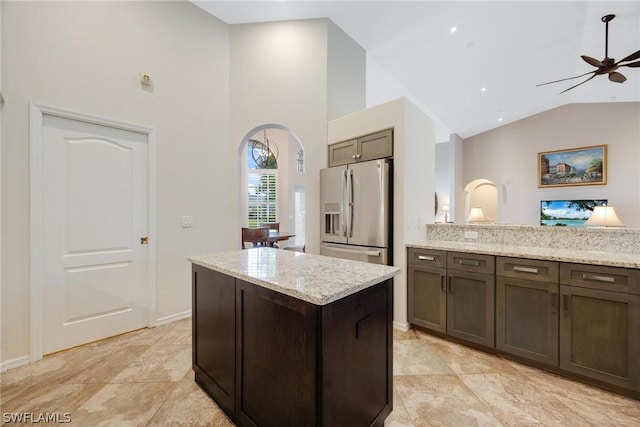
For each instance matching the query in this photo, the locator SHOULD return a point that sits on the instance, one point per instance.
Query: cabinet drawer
(617, 279)
(530, 269)
(430, 257)
(476, 263)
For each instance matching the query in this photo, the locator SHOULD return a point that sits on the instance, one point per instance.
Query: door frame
(36, 273)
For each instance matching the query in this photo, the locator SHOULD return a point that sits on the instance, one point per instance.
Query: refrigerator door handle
(354, 251)
(343, 212)
(350, 205)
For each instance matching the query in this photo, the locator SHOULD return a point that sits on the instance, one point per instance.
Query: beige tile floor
(144, 378)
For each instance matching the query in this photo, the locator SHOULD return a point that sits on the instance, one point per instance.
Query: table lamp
(604, 216)
(445, 209)
(476, 215)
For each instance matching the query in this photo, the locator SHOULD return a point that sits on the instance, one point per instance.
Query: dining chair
(257, 236)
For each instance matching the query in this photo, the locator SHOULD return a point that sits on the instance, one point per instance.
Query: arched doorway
(272, 181)
(481, 193)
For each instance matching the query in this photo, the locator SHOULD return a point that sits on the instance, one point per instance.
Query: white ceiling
(505, 47)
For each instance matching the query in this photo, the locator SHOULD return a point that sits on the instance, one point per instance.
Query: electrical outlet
(470, 234)
(187, 221)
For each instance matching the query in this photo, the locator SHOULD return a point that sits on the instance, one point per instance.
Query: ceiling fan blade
(568, 78)
(631, 57)
(566, 90)
(616, 77)
(592, 61)
(632, 64)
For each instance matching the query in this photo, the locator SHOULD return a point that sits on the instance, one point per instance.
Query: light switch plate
(187, 221)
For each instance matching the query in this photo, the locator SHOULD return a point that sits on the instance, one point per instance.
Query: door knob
(144, 240)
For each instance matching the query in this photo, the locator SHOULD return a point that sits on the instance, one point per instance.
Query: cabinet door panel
(357, 362)
(269, 326)
(470, 307)
(343, 153)
(214, 334)
(427, 297)
(527, 319)
(375, 146)
(599, 335)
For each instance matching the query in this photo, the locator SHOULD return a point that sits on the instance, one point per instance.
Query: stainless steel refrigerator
(356, 203)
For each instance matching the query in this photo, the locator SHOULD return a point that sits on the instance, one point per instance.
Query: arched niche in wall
(276, 173)
(484, 194)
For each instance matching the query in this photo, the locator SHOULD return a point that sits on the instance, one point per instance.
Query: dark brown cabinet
(427, 294)
(599, 319)
(269, 359)
(527, 309)
(214, 340)
(370, 147)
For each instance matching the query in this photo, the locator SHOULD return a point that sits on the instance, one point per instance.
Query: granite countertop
(316, 279)
(613, 259)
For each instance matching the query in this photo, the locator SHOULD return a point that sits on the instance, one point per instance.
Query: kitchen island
(283, 338)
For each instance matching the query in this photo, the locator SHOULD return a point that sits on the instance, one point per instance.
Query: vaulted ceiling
(483, 74)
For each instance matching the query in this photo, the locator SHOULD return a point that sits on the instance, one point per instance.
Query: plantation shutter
(262, 199)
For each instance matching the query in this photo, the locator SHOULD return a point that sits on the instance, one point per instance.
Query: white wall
(87, 57)
(279, 75)
(346, 73)
(507, 156)
(414, 176)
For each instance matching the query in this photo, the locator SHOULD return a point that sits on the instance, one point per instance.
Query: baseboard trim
(401, 326)
(173, 318)
(14, 363)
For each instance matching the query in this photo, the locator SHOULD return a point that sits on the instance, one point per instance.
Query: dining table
(274, 236)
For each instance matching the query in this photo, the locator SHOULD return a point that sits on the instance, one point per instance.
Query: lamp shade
(476, 215)
(604, 216)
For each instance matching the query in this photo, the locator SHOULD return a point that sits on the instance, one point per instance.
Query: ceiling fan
(607, 65)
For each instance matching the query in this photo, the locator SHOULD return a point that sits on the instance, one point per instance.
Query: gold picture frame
(574, 166)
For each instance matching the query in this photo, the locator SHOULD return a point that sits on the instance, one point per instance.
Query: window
(262, 184)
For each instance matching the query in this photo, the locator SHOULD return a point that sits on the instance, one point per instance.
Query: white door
(94, 215)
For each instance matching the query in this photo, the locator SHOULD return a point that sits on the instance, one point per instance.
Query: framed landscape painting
(575, 166)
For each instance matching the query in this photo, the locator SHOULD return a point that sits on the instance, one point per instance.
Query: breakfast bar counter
(293, 339)
(575, 255)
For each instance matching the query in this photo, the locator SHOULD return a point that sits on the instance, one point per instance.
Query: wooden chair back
(254, 235)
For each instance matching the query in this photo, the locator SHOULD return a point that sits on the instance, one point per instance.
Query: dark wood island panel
(290, 362)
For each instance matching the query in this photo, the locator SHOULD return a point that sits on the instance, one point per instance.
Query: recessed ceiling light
(453, 30)
(484, 89)
(500, 119)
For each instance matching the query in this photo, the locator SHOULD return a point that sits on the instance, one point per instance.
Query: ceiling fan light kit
(607, 65)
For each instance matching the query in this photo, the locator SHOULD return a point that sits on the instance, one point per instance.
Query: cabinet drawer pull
(565, 304)
(470, 262)
(525, 269)
(426, 258)
(598, 278)
(450, 288)
(442, 287)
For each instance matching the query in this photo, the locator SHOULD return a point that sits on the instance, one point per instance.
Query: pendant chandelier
(264, 153)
